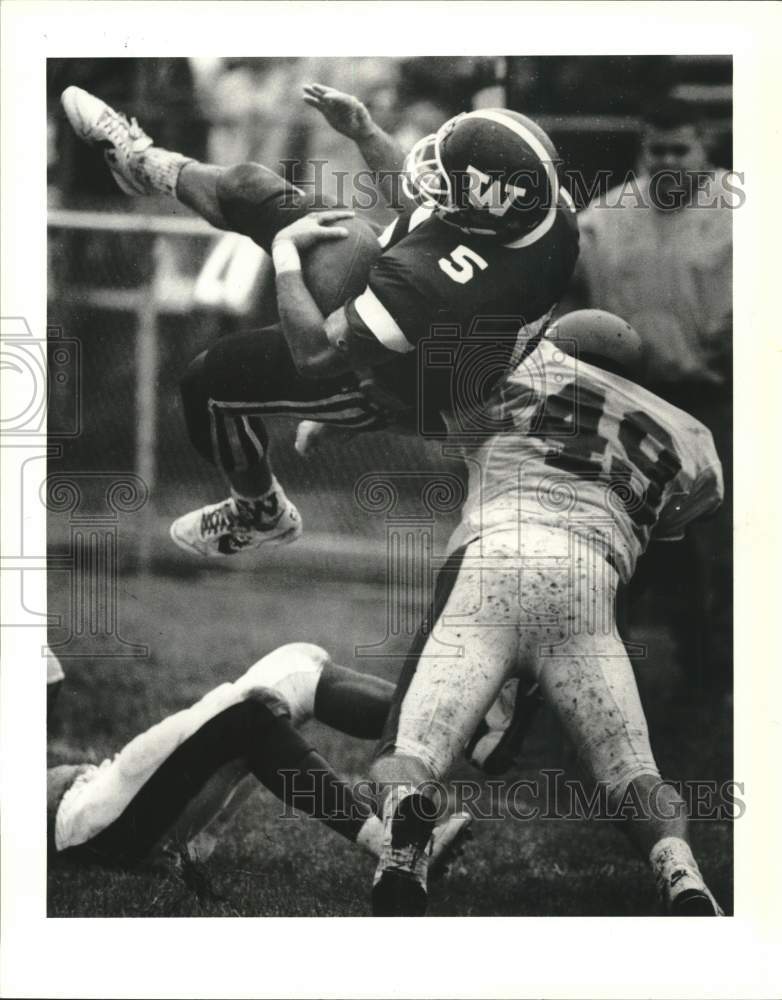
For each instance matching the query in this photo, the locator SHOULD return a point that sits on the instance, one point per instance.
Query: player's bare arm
(347, 115)
(321, 346)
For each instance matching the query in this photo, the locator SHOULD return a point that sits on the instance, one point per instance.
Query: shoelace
(219, 520)
(117, 129)
(120, 131)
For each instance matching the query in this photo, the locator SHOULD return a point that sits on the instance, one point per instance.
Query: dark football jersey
(452, 305)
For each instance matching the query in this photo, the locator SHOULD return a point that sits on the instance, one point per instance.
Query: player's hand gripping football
(315, 228)
(344, 112)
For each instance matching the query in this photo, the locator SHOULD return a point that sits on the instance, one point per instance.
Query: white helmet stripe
(529, 137)
(540, 151)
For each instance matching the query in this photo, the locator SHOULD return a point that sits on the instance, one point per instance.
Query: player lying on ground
(559, 509)
(176, 787)
(488, 251)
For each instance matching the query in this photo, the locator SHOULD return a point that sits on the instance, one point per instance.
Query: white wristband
(285, 256)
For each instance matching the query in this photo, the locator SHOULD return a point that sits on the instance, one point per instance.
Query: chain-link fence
(122, 286)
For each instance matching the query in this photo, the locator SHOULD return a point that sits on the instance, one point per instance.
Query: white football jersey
(592, 452)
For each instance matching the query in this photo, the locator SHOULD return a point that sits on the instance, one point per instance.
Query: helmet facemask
(426, 181)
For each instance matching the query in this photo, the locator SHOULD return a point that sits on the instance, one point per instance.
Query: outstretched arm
(382, 154)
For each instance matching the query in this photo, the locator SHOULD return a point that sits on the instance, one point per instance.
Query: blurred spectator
(419, 119)
(248, 105)
(598, 84)
(451, 82)
(659, 253)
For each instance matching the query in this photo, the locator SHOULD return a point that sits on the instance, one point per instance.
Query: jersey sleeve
(391, 309)
(702, 498)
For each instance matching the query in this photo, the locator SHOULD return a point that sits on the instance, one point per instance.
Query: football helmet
(491, 172)
(598, 334)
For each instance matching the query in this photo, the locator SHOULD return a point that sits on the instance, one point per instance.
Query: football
(336, 270)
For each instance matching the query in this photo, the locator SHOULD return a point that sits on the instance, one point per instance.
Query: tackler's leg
(587, 679)
(456, 667)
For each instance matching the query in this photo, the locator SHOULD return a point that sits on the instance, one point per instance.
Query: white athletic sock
(161, 167)
(668, 856)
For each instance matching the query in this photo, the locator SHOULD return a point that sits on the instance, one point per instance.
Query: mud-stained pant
(539, 605)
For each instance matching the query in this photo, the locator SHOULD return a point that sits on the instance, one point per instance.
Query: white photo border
(518, 957)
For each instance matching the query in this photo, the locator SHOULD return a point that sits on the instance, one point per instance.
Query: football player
(488, 250)
(175, 788)
(559, 509)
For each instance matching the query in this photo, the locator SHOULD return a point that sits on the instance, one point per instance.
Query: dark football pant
(258, 203)
(252, 732)
(228, 390)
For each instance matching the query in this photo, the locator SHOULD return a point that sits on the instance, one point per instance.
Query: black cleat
(399, 889)
(696, 903)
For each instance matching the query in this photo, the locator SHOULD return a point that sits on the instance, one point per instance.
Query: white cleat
(219, 529)
(100, 125)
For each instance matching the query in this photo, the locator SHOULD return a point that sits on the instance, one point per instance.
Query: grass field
(207, 627)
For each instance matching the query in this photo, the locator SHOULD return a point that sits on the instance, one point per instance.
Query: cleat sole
(693, 903)
(397, 895)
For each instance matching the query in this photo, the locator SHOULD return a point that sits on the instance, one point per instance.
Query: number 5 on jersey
(459, 264)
